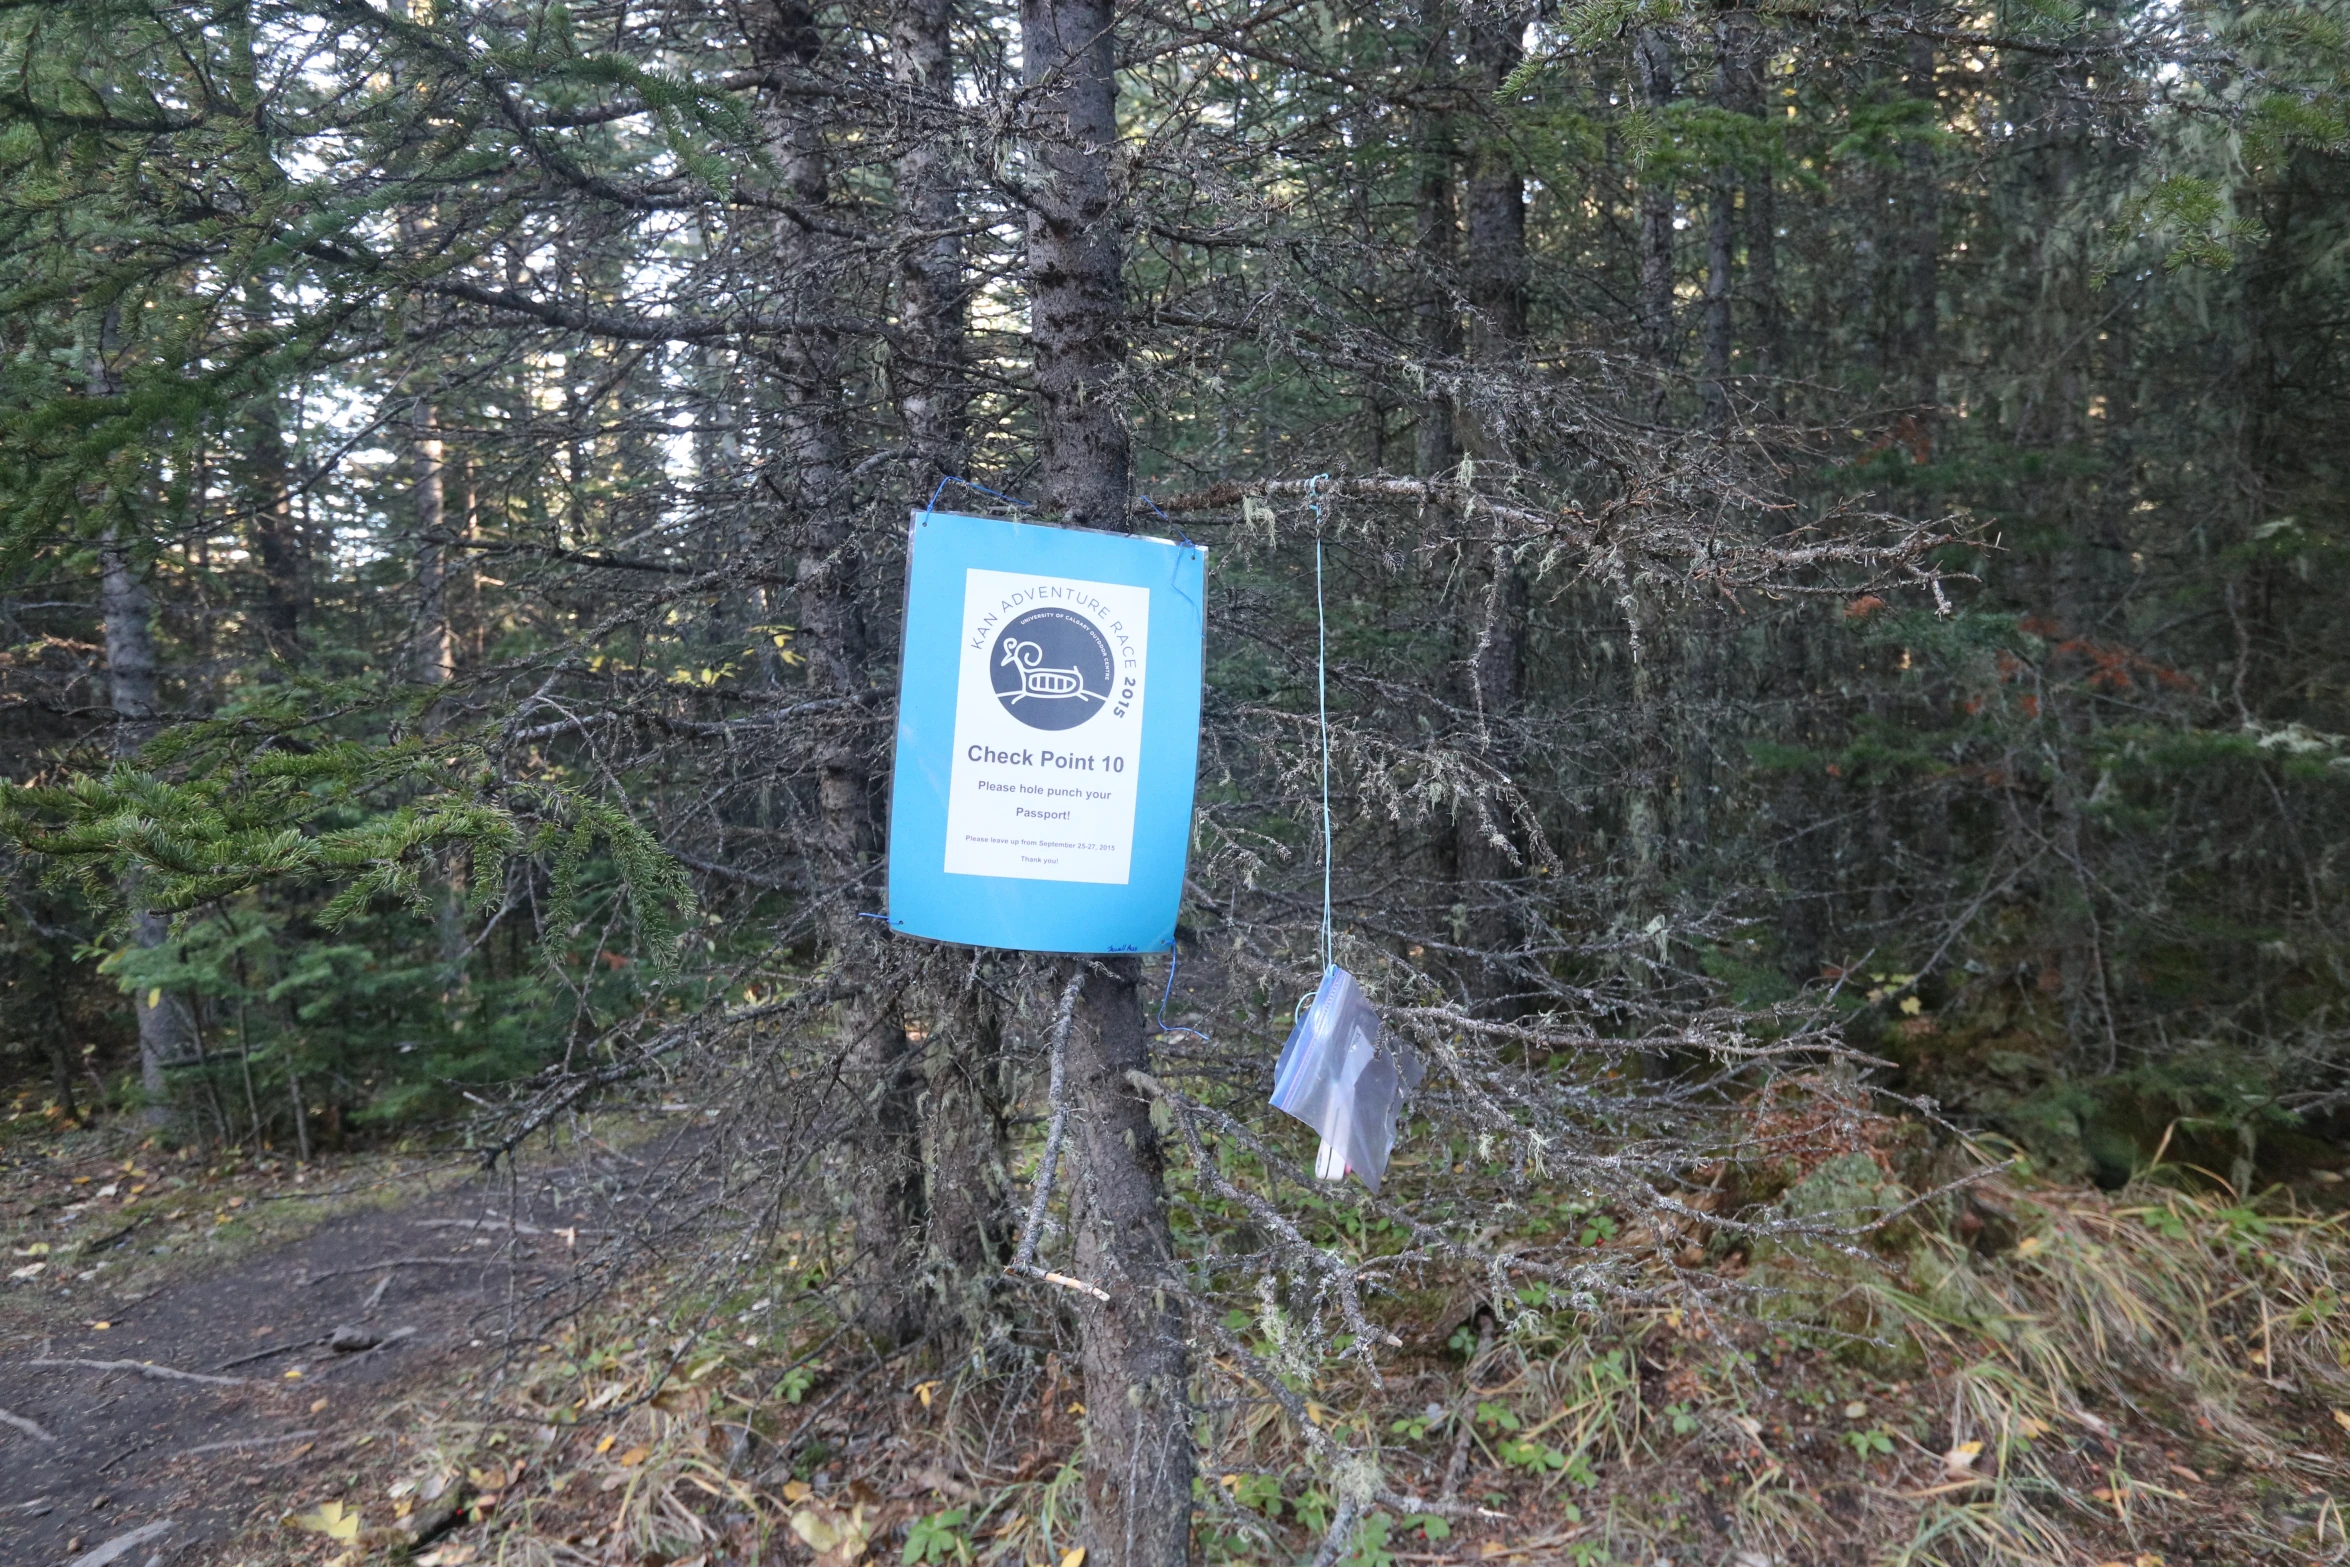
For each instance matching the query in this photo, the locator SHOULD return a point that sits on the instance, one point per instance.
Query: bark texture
(929, 360)
(878, 1062)
(1075, 250)
(1138, 1453)
(1435, 243)
(1138, 1463)
(167, 1033)
(1653, 70)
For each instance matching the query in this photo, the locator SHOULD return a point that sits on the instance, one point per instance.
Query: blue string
(1322, 698)
(968, 485)
(1169, 521)
(1173, 958)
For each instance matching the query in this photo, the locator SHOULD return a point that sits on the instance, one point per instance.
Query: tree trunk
(1721, 238)
(1921, 244)
(127, 620)
(1497, 197)
(277, 542)
(1652, 69)
(1138, 1452)
(432, 655)
(1138, 1461)
(966, 1157)
(878, 1062)
(1496, 608)
(1435, 229)
(928, 361)
(1075, 251)
(165, 1039)
(1765, 329)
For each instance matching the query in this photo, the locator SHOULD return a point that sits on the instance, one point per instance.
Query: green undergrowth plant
(2021, 1373)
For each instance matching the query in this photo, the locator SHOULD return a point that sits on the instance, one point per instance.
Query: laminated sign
(1048, 736)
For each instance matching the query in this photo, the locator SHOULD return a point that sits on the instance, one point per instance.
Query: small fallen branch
(123, 1544)
(353, 1358)
(244, 1442)
(28, 1427)
(141, 1368)
(504, 1226)
(1062, 1279)
(400, 1262)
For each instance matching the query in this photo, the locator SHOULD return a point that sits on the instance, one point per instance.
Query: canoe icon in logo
(1050, 668)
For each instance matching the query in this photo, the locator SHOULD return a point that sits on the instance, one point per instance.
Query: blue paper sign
(1048, 736)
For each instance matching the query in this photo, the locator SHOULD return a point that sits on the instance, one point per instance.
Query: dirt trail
(365, 1307)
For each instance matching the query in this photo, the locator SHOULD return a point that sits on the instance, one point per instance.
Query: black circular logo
(1051, 669)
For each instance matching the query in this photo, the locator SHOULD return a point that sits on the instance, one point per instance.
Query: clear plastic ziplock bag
(1340, 1076)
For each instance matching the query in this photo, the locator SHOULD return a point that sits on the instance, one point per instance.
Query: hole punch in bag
(1341, 1076)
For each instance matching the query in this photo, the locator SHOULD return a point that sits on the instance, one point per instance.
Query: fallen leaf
(605, 1446)
(1959, 1462)
(797, 1490)
(635, 1456)
(835, 1537)
(100, 1327)
(30, 1270)
(316, 1405)
(1074, 1558)
(2184, 1473)
(923, 1390)
(2342, 1418)
(1856, 1410)
(2030, 1244)
(294, 1375)
(332, 1519)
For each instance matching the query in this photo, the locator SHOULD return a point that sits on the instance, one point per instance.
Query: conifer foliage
(1834, 535)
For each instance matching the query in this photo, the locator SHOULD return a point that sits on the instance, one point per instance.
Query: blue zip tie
(1169, 521)
(1173, 959)
(968, 485)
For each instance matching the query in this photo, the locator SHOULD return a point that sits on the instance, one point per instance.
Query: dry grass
(2148, 1377)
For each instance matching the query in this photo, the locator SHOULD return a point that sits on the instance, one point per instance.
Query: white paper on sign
(1048, 728)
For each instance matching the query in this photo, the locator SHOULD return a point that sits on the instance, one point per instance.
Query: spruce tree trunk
(1436, 226)
(277, 543)
(1653, 86)
(1760, 210)
(966, 1157)
(1138, 1452)
(966, 1148)
(1495, 611)
(166, 1036)
(1497, 197)
(126, 618)
(431, 653)
(928, 362)
(1921, 244)
(1721, 238)
(878, 1062)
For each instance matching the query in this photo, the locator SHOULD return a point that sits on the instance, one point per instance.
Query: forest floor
(185, 1341)
(428, 1366)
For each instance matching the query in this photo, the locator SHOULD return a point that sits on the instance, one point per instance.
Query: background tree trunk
(928, 361)
(1138, 1453)
(878, 1062)
(1653, 87)
(1435, 236)
(166, 1036)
